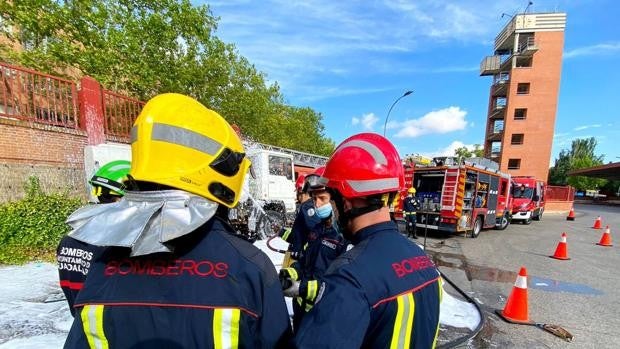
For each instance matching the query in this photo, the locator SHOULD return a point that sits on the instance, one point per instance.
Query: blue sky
(349, 60)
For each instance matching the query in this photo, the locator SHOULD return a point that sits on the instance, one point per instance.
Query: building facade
(526, 69)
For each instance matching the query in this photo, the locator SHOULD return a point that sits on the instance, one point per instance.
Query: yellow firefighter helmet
(178, 142)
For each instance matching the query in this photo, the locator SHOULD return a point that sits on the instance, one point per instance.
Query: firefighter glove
(296, 254)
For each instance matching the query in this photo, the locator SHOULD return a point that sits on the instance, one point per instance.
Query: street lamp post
(392, 106)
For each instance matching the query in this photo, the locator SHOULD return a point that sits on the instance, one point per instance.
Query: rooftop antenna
(529, 3)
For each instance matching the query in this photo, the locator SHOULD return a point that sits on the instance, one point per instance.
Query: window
(498, 126)
(514, 164)
(524, 62)
(521, 191)
(500, 103)
(523, 88)
(280, 166)
(496, 148)
(517, 138)
(520, 113)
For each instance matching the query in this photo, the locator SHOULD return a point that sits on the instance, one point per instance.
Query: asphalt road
(580, 294)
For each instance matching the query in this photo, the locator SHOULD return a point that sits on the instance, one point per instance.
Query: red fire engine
(465, 197)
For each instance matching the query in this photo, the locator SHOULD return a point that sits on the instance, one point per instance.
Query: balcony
(497, 112)
(500, 84)
(527, 47)
(495, 136)
(490, 65)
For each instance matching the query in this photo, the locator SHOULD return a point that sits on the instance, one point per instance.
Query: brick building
(526, 68)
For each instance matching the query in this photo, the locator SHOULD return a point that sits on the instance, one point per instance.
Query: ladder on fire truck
(448, 193)
(299, 157)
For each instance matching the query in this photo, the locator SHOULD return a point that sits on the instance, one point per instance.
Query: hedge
(31, 228)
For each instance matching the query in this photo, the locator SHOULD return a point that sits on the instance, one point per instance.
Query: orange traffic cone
(561, 252)
(571, 215)
(597, 223)
(516, 306)
(605, 239)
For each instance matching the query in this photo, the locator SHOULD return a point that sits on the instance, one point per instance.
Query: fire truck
(529, 199)
(460, 197)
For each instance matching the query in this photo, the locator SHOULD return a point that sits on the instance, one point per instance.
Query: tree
(581, 155)
(146, 47)
(464, 152)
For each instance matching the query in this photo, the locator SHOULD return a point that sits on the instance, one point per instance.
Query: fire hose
(274, 249)
(553, 329)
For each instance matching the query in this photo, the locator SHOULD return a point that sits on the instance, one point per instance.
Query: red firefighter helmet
(299, 183)
(313, 180)
(363, 165)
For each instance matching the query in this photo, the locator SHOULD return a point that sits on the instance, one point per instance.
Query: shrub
(31, 228)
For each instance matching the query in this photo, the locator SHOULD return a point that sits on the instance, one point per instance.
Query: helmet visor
(227, 163)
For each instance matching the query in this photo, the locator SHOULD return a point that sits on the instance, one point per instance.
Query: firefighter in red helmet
(385, 291)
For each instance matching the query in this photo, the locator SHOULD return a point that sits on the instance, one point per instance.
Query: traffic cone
(516, 307)
(571, 215)
(597, 223)
(605, 239)
(561, 252)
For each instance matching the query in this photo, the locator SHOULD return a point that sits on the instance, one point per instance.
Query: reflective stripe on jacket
(214, 291)
(383, 293)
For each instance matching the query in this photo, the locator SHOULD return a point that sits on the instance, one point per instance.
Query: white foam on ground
(26, 321)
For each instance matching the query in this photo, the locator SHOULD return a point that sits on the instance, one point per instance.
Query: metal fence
(119, 113)
(33, 96)
(560, 193)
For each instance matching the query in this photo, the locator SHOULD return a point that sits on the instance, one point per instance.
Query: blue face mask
(324, 211)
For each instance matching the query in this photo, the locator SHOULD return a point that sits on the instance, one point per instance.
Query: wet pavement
(580, 294)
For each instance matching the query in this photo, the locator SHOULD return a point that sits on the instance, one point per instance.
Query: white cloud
(584, 127)
(440, 121)
(367, 121)
(593, 50)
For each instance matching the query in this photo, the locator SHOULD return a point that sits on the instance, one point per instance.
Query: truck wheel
(269, 224)
(504, 222)
(477, 227)
(539, 216)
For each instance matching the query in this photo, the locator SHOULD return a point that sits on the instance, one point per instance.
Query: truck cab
(528, 195)
(273, 177)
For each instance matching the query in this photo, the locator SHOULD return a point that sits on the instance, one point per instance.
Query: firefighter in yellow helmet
(172, 265)
(410, 208)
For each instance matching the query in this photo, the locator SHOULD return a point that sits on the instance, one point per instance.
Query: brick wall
(54, 154)
(558, 206)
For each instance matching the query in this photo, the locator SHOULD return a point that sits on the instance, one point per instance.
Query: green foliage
(147, 47)
(32, 227)
(464, 152)
(581, 155)
(611, 188)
